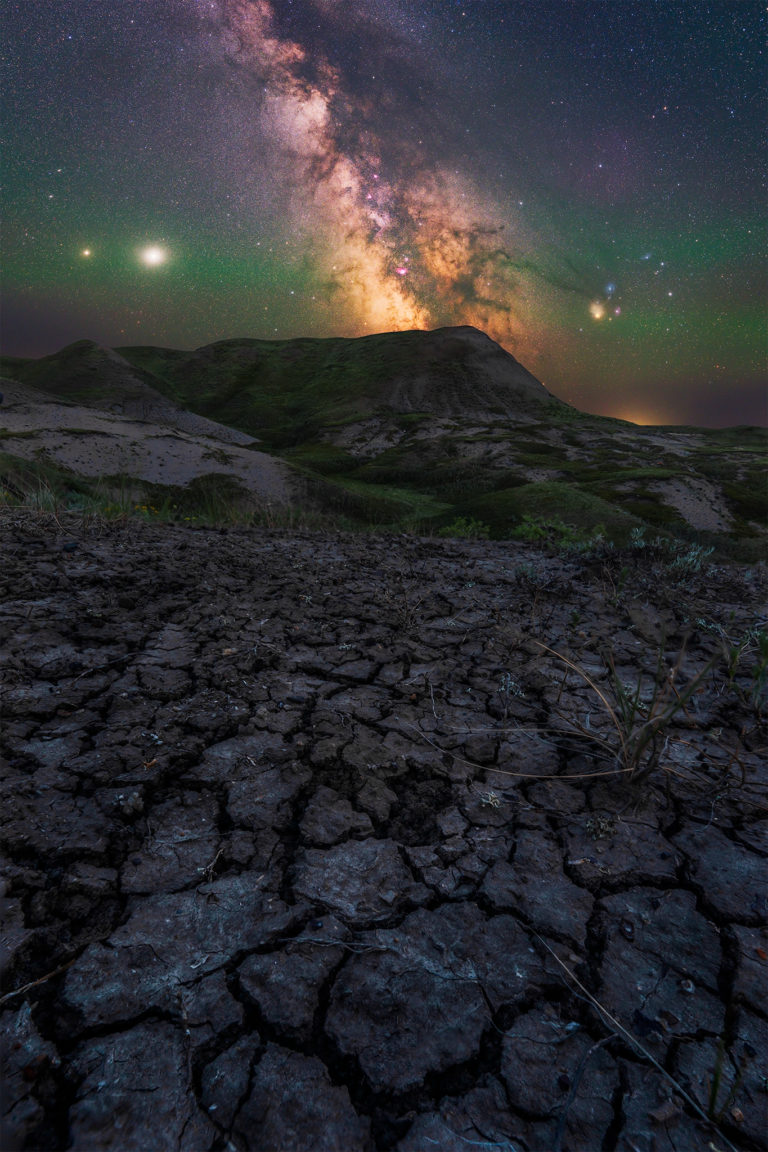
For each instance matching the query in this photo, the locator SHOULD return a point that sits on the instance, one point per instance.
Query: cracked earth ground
(309, 843)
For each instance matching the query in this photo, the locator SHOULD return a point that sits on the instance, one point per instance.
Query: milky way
(398, 240)
(580, 180)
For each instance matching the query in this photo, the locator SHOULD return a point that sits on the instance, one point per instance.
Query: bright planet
(153, 256)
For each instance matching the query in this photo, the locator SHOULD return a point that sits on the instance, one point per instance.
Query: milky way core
(398, 240)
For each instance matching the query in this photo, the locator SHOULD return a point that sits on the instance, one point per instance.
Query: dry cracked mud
(317, 842)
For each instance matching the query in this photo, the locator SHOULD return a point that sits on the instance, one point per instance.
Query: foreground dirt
(308, 843)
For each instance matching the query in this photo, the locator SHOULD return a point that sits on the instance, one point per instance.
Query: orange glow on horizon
(642, 419)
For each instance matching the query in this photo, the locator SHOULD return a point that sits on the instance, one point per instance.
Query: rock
(606, 849)
(209, 1011)
(751, 980)
(417, 999)
(35, 818)
(660, 965)
(534, 886)
(225, 1081)
(293, 1107)
(181, 845)
(229, 759)
(15, 940)
(541, 1058)
(26, 1062)
(376, 799)
(739, 1067)
(653, 1117)
(285, 985)
(730, 877)
(480, 1119)
(262, 798)
(129, 1102)
(525, 755)
(169, 941)
(360, 880)
(330, 818)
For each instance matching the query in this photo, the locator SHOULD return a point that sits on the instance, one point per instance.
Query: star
(153, 256)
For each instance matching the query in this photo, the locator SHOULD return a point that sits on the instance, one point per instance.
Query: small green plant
(680, 560)
(509, 689)
(466, 527)
(746, 663)
(529, 576)
(560, 536)
(640, 714)
(686, 561)
(751, 650)
(716, 1109)
(404, 611)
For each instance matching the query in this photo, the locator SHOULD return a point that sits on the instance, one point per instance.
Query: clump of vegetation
(209, 500)
(466, 527)
(680, 559)
(551, 513)
(746, 662)
(639, 715)
(559, 536)
(40, 486)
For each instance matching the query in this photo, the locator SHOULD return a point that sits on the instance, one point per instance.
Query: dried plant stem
(619, 1029)
(34, 983)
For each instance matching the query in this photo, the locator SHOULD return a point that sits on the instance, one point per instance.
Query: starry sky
(582, 179)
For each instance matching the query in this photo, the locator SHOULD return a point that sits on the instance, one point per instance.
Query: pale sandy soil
(698, 501)
(173, 451)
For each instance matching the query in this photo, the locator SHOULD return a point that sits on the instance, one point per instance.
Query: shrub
(467, 528)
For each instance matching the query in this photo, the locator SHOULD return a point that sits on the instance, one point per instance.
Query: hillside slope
(285, 390)
(429, 430)
(46, 439)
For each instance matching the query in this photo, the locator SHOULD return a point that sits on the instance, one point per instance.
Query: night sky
(581, 179)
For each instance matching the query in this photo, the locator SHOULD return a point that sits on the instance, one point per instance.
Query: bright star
(153, 256)
(86, 252)
(597, 310)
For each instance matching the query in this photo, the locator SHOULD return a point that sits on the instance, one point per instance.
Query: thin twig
(99, 667)
(34, 983)
(517, 775)
(635, 1043)
(601, 695)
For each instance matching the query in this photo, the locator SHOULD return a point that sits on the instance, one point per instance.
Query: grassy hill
(290, 391)
(436, 430)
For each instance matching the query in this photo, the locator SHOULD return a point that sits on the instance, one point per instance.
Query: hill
(434, 430)
(288, 390)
